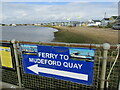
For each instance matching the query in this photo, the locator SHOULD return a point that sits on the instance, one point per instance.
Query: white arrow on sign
(37, 69)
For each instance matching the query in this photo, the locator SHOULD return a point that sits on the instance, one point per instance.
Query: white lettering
(43, 55)
(58, 63)
(31, 60)
(50, 62)
(80, 66)
(72, 65)
(66, 57)
(61, 56)
(56, 55)
(75, 66)
(39, 54)
(47, 55)
(65, 64)
(54, 62)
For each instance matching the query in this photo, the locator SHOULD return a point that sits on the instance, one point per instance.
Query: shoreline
(91, 35)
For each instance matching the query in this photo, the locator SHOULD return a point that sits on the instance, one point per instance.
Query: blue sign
(65, 63)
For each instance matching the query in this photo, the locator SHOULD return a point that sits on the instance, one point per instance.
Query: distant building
(105, 21)
(113, 19)
(71, 23)
(94, 23)
(13, 24)
(75, 23)
(52, 23)
(37, 24)
(118, 19)
(84, 23)
(44, 23)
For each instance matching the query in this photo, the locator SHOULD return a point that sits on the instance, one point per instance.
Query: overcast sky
(32, 12)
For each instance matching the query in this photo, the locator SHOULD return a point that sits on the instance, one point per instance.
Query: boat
(77, 55)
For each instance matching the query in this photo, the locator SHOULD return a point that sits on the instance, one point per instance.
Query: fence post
(106, 47)
(17, 63)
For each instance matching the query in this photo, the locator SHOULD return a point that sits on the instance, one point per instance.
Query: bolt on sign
(65, 63)
(6, 56)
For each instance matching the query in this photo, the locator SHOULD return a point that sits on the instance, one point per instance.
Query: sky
(40, 12)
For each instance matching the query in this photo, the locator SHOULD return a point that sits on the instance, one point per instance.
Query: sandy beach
(86, 35)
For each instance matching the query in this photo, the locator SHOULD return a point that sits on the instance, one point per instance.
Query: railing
(106, 69)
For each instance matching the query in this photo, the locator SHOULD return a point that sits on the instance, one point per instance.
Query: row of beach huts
(104, 22)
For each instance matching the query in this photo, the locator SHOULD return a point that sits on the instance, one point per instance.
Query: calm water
(28, 33)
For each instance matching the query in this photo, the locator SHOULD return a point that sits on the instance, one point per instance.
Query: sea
(28, 33)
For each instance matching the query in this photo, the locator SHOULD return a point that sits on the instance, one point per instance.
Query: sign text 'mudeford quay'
(65, 63)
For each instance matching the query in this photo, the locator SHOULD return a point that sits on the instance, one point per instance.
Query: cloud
(37, 13)
(60, 0)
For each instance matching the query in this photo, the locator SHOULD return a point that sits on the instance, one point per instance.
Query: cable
(118, 47)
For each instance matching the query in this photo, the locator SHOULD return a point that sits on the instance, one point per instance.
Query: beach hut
(105, 21)
(113, 19)
(94, 23)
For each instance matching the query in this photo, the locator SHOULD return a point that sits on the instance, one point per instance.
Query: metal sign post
(17, 64)
(106, 47)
